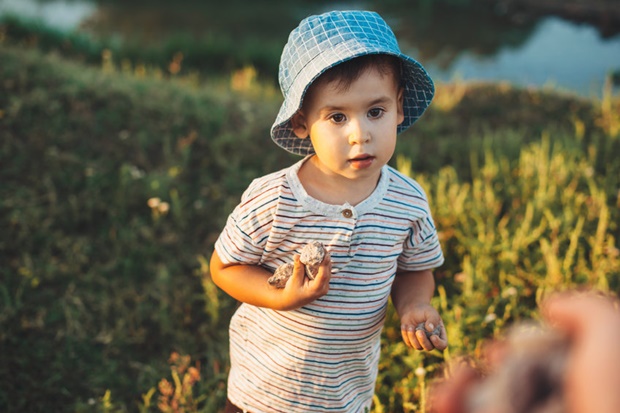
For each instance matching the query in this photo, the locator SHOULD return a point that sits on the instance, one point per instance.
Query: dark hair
(349, 71)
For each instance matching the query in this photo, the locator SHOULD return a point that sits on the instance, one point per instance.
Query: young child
(314, 345)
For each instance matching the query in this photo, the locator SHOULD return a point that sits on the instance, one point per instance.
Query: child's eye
(338, 117)
(375, 112)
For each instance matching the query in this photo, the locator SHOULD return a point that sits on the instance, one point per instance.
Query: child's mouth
(362, 161)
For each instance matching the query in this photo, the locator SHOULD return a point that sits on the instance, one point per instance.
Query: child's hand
(419, 339)
(301, 290)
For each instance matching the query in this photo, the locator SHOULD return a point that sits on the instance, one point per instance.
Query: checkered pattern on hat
(323, 41)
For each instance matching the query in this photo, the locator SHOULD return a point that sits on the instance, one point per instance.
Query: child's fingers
(299, 272)
(321, 281)
(440, 341)
(409, 337)
(418, 338)
(327, 259)
(424, 341)
(415, 338)
(325, 268)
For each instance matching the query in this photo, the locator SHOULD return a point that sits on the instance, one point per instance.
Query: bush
(513, 234)
(98, 286)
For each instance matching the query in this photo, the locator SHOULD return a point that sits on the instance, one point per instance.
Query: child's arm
(411, 294)
(248, 283)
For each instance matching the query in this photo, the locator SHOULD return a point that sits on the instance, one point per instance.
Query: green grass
(96, 286)
(99, 288)
(207, 52)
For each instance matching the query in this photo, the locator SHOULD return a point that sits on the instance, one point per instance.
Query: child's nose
(358, 132)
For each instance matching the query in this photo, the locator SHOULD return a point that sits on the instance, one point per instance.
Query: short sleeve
(247, 228)
(235, 244)
(421, 249)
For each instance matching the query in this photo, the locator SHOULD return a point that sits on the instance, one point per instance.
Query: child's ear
(300, 128)
(401, 111)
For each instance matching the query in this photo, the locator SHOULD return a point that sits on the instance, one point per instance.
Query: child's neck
(335, 189)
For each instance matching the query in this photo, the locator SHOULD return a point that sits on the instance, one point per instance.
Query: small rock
(281, 275)
(312, 256)
(435, 332)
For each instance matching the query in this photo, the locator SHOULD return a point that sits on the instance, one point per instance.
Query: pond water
(64, 14)
(559, 54)
(452, 44)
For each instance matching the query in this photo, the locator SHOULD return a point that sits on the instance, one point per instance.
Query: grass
(115, 185)
(515, 232)
(206, 52)
(97, 282)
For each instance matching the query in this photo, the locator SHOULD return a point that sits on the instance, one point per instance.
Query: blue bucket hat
(323, 41)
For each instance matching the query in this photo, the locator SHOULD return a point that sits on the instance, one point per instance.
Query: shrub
(512, 234)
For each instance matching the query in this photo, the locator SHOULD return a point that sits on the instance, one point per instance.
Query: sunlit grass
(513, 234)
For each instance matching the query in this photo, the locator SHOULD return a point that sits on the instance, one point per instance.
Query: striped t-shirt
(322, 357)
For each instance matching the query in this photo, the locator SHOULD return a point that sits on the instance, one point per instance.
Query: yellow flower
(165, 388)
(153, 202)
(163, 207)
(194, 374)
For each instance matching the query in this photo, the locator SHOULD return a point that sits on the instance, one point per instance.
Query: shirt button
(347, 213)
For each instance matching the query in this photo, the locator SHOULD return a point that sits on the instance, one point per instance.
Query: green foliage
(98, 287)
(209, 53)
(517, 231)
(114, 189)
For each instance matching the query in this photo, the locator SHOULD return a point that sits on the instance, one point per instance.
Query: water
(59, 14)
(450, 44)
(561, 54)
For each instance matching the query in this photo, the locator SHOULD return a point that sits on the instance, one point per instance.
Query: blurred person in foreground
(569, 364)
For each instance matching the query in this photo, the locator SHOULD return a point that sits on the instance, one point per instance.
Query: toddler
(314, 345)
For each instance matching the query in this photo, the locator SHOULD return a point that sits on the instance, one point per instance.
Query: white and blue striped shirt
(324, 356)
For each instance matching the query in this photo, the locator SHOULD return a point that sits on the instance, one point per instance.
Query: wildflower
(163, 208)
(135, 172)
(175, 65)
(153, 202)
(165, 388)
(194, 374)
(158, 207)
(460, 277)
(490, 317)
(243, 79)
(509, 292)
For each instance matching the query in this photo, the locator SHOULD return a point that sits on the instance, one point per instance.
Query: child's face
(353, 131)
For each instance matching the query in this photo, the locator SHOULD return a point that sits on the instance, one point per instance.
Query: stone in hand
(312, 256)
(281, 275)
(435, 332)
